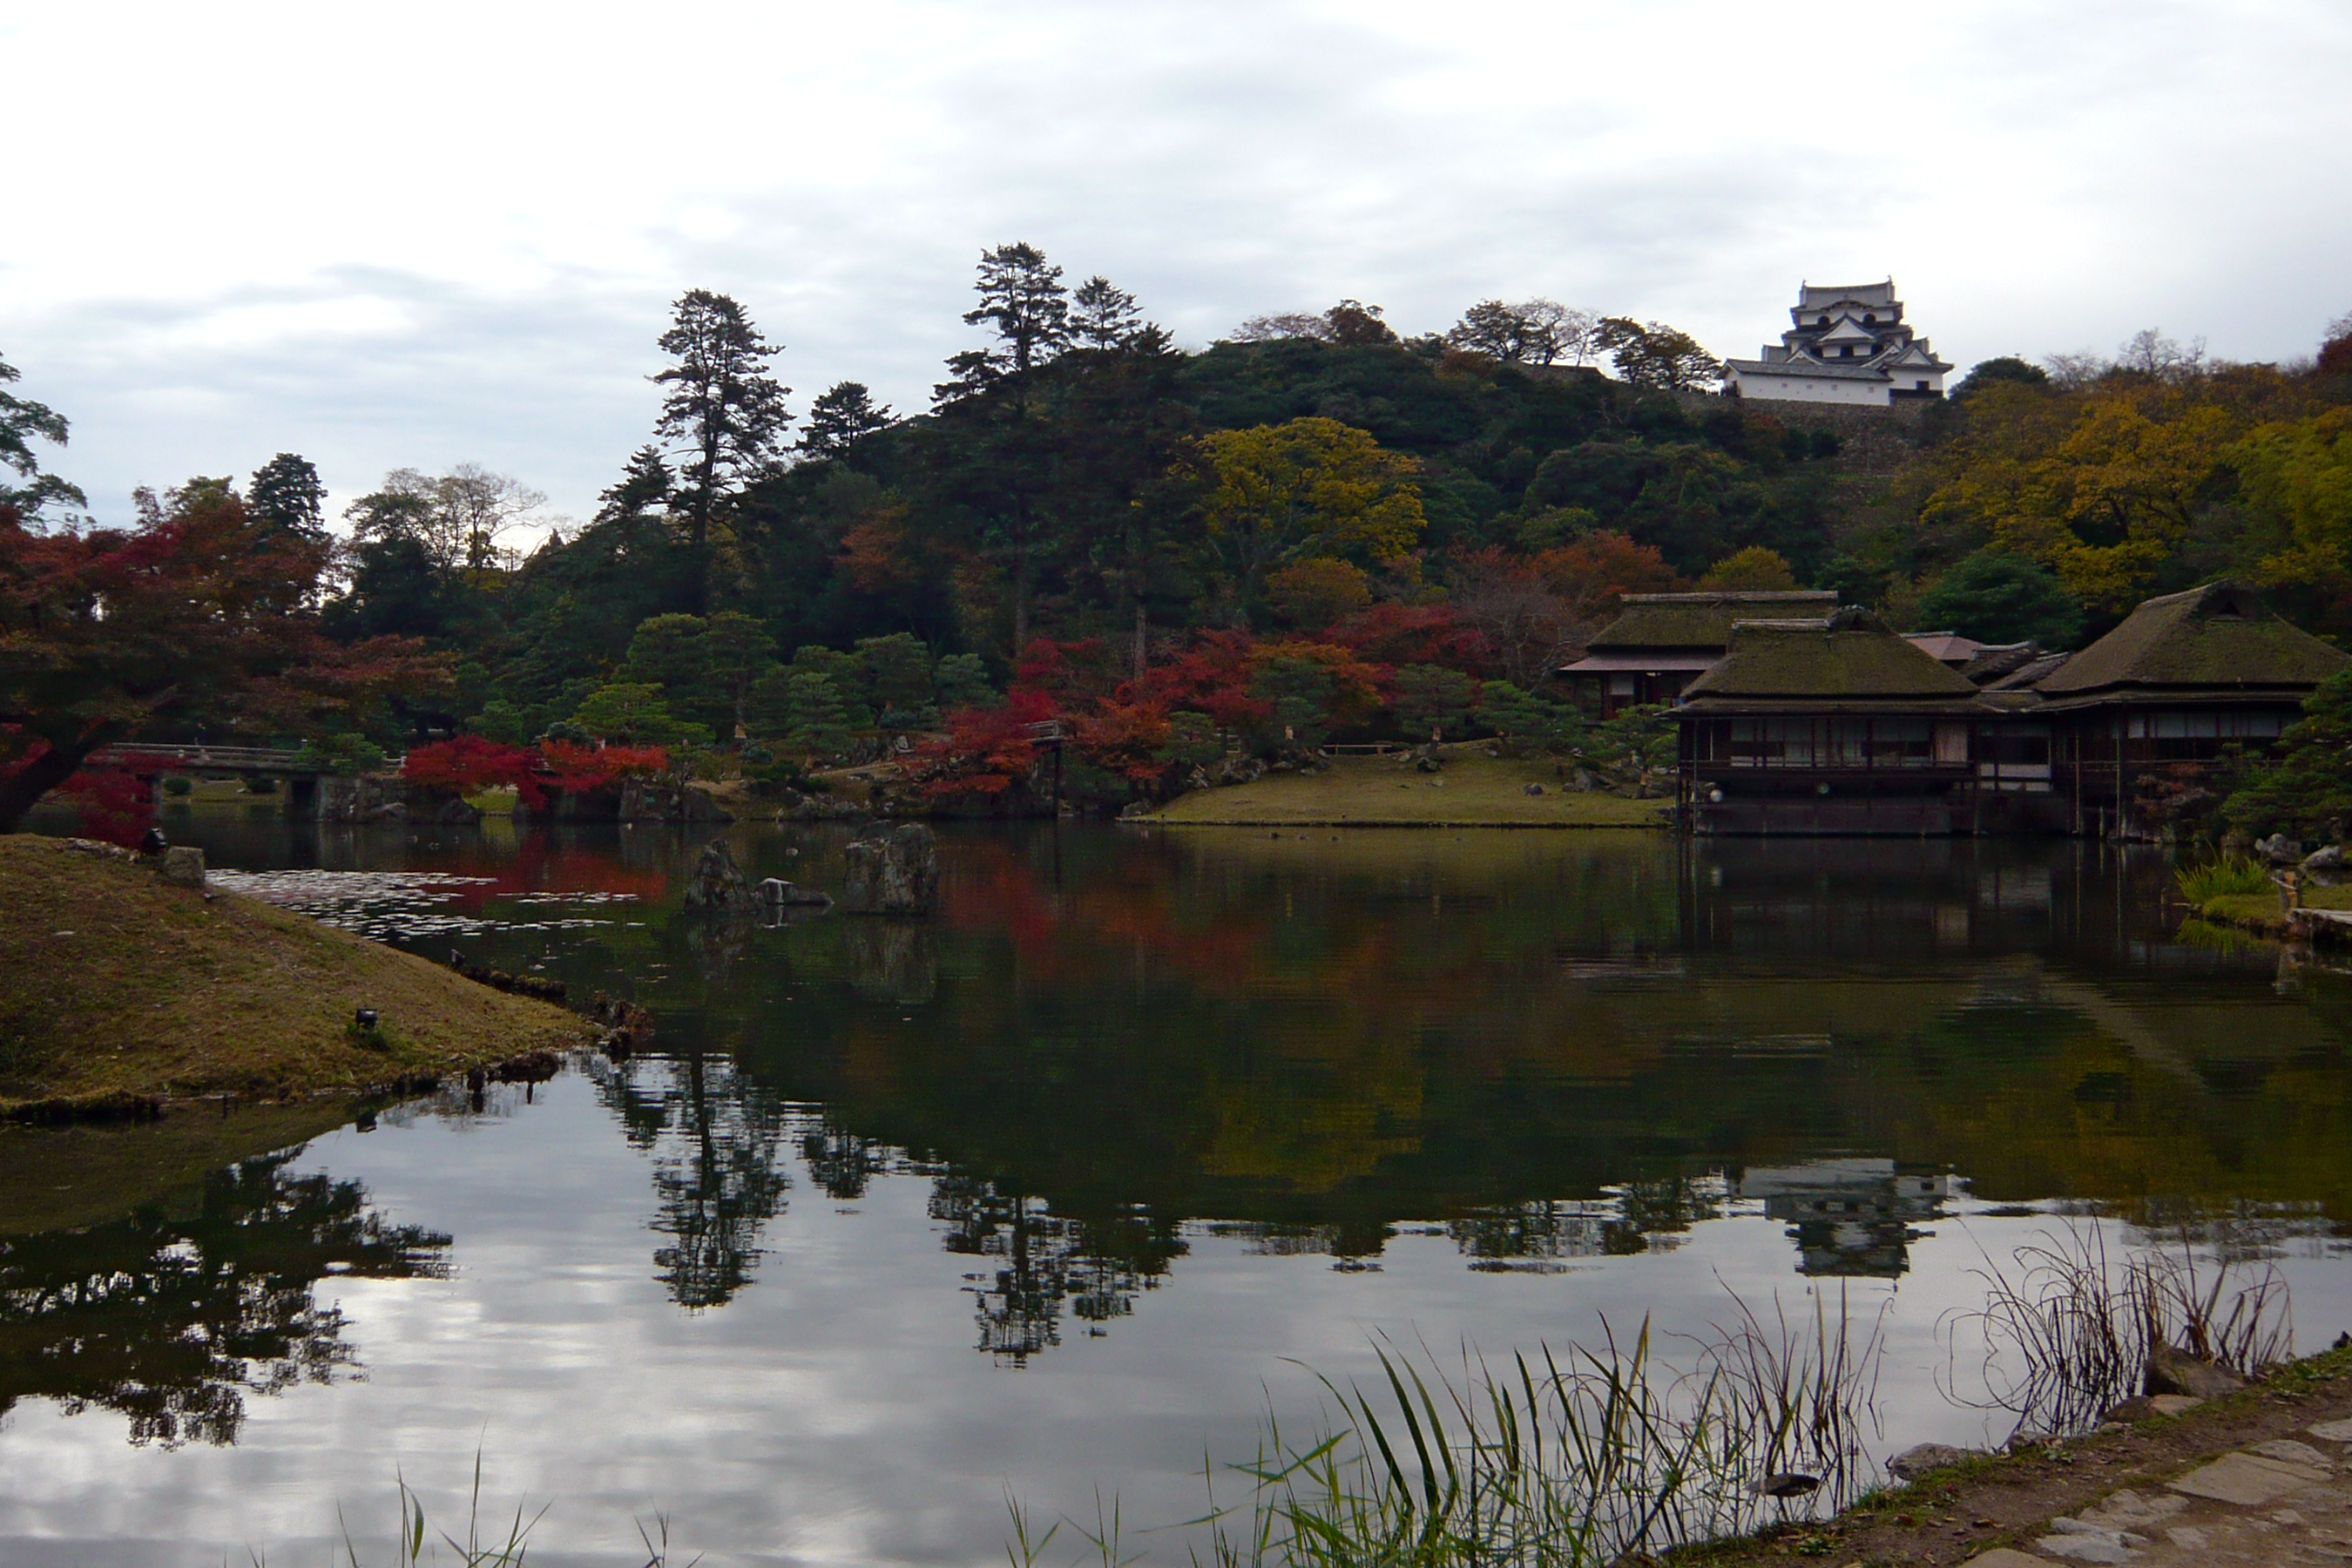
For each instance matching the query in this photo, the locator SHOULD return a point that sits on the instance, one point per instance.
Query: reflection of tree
(842, 1161)
(715, 1134)
(1639, 1216)
(173, 1322)
(1045, 1260)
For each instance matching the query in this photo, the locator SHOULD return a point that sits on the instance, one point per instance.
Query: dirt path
(2211, 1488)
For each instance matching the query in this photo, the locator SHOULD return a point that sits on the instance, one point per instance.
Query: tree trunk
(1142, 649)
(21, 793)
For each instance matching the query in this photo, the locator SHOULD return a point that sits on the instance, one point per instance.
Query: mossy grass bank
(118, 991)
(1471, 790)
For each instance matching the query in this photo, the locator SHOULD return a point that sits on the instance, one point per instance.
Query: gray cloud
(427, 255)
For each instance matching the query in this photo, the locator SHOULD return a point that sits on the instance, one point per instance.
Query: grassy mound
(114, 988)
(1474, 791)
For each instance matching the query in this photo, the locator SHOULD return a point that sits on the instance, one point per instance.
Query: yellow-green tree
(2295, 476)
(1312, 488)
(1753, 570)
(2101, 487)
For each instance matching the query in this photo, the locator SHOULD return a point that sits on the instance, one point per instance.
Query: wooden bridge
(248, 761)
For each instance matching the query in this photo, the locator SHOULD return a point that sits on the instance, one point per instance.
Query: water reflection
(718, 1140)
(1850, 1217)
(1166, 1114)
(1554, 1048)
(172, 1321)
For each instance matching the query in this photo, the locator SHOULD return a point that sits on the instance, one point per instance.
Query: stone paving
(2288, 1501)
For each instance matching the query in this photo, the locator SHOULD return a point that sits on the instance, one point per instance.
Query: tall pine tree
(724, 407)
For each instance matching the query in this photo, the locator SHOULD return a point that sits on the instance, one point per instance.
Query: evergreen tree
(841, 417)
(815, 714)
(285, 493)
(898, 678)
(723, 405)
(644, 486)
(2308, 790)
(1021, 293)
(1431, 700)
(22, 422)
(1522, 715)
(962, 681)
(737, 647)
(633, 714)
(1997, 597)
(1103, 318)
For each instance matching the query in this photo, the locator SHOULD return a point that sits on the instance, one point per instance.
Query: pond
(1064, 1188)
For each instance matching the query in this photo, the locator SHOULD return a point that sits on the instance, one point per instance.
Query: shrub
(1193, 741)
(962, 681)
(635, 713)
(176, 786)
(1523, 716)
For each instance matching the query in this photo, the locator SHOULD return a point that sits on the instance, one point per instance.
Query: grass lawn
(113, 986)
(1474, 791)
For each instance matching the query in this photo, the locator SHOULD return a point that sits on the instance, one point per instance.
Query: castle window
(1868, 319)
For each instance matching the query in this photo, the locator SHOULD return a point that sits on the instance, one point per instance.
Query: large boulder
(1921, 1458)
(184, 866)
(719, 883)
(2175, 1370)
(363, 799)
(892, 872)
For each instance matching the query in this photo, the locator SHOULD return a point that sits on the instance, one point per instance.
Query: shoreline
(123, 998)
(1467, 789)
(1979, 1507)
(1457, 825)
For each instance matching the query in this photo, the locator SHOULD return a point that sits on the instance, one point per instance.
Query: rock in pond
(895, 872)
(718, 884)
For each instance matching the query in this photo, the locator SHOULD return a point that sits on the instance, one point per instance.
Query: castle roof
(1821, 297)
(1877, 368)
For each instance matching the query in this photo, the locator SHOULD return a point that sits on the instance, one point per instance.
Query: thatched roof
(2220, 637)
(1849, 660)
(1702, 620)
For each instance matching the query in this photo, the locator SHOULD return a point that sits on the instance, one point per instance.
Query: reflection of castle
(1850, 1216)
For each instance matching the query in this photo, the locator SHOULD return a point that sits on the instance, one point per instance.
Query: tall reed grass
(2068, 1330)
(1562, 1459)
(415, 1542)
(2218, 878)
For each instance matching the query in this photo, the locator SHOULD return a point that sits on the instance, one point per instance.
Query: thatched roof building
(2214, 643)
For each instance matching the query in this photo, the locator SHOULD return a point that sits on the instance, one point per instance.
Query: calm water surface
(1060, 1188)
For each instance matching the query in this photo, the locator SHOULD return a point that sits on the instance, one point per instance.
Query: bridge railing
(199, 759)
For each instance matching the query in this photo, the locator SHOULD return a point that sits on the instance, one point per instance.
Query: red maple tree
(202, 613)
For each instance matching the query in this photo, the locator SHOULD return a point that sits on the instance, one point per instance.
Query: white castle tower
(1849, 345)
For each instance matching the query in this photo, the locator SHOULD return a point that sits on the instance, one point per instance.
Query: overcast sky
(422, 234)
